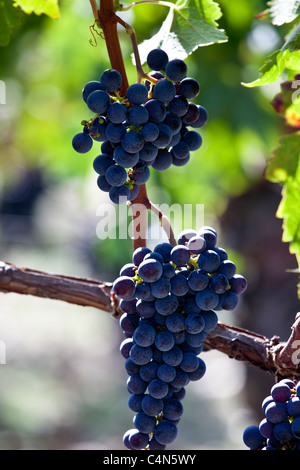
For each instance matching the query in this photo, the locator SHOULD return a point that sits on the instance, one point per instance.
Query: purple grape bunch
(169, 296)
(149, 127)
(280, 427)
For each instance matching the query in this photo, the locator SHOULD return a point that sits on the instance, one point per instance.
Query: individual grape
(138, 115)
(193, 140)
(163, 160)
(136, 385)
(238, 284)
(117, 113)
(281, 392)
(137, 94)
(140, 174)
(138, 440)
(178, 106)
(103, 183)
(125, 347)
(189, 88)
(176, 70)
(148, 371)
(132, 141)
(150, 270)
(164, 136)
(158, 389)
(209, 261)
(180, 255)
(185, 235)
(124, 287)
(101, 163)
(82, 143)
(98, 101)
(145, 308)
(196, 245)
(218, 283)
(125, 159)
(144, 423)
(253, 438)
(181, 150)
(228, 300)
(179, 285)
(167, 305)
(111, 80)
(173, 357)
(190, 362)
(148, 152)
(173, 122)
(164, 91)
(157, 59)
(194, 323)
(144, 335)
(166, 373)
(227, 268)
(150, 131)
(198, 280)
(266, 428)
(157, 111)
(140, 355)
(165, 432)
(283, 432)
(173, 409)
(89, 87)
(135, 402)
(160, 288)
(202, 119)
(192, 114)
(116, 175)
(276, 412)
(152, 406)
(164, 340)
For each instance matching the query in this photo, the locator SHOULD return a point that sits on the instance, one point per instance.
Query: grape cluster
(280, 428)
(147, 127)
(169, 297)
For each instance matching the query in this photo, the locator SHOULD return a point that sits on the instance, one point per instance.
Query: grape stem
(140, 72)
(143, 200)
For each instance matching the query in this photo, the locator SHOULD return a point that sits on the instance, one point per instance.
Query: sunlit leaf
(48, 7)
(283, 11)
(189, 24)
(284, 168)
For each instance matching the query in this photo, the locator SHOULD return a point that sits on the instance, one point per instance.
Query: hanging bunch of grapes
(149, 127)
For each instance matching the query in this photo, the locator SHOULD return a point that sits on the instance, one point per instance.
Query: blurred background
(64, 385)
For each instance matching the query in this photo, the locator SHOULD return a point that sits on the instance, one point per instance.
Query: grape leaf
(48, 7)
(189, 24)
(286, 58)
(10, 19)
(283, 11)
(284, 168)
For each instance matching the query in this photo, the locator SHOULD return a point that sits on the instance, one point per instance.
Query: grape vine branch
(268, 354)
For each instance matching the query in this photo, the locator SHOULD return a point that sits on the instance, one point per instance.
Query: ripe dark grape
(280, 427)
(168, 304)
(151, 122)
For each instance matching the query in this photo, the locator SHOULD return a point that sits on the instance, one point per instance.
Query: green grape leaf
(10, 19)
(283, 11)
(48, 7)
(189, 24)
(286, 58)
(284, 168)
